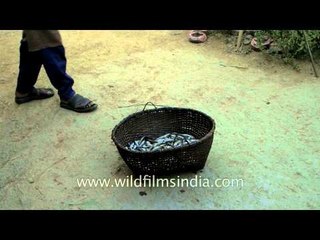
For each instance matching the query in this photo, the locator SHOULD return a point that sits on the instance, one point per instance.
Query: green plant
(291, 42)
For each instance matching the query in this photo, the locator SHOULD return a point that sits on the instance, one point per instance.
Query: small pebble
(142, 193)
(30, 180)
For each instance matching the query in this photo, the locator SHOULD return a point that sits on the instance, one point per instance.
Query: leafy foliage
(291, 42)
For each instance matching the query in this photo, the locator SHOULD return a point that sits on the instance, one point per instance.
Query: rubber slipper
(36, 94)
(79, 103)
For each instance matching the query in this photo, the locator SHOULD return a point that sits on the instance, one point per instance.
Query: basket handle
(147, 105)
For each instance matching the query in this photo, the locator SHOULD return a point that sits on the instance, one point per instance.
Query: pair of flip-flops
(77, 103)
(198, 36)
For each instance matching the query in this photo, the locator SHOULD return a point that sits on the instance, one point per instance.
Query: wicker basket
(156, 122)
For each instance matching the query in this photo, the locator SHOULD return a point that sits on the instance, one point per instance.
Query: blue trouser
(54, 61)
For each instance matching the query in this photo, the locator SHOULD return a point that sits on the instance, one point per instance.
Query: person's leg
(55, 63)
(29, 68)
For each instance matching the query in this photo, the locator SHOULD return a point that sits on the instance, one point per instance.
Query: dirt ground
(267, 115)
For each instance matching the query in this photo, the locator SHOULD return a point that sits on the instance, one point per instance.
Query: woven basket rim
(208, 135)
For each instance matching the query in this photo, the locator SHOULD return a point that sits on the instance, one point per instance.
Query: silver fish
(164, 142)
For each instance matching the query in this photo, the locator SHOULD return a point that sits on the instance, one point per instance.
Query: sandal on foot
(36, 94)
(79, 103)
